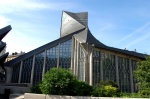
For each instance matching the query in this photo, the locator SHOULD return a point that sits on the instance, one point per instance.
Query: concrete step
(16, 96)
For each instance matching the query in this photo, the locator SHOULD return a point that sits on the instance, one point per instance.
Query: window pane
(109, 68)
(96, 67)
(51, 58)
(65, 54)
(15, 73)
(26, 70)
(124, 74)
(38, 68)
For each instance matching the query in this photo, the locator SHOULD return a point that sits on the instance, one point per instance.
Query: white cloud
(146, 36)
(14, 6)
(139, 30)
(4, 21)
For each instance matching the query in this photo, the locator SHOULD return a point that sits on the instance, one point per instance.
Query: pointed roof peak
(70, 23)
(81, 17)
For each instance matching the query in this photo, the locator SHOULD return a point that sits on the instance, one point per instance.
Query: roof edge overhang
(4, 31)
(3, 58)
(126, 52)
(40, 49)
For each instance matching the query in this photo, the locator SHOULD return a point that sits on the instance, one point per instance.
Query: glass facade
(65, 54)
(124, 74)
(81, 67)
(96, 67)
(103, 65)
(105, 61)
(134, 67)
(38, 68)
(26, 70)
(109, 69)
(50, 62)
(51, 58)
(15, 73)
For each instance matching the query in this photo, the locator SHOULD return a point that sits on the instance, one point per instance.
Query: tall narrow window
(51, 58)
(15, 73)
(124, 74)
(26, 70)
(65, 54)
(109, 69)
(96, 67)
(38, 68)
(134, 67)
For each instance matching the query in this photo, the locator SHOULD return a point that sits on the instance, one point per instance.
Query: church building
(76, 48)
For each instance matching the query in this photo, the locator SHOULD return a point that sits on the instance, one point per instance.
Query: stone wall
(14, 89)
(42, 96)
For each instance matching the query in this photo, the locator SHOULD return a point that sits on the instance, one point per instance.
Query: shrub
(144, 93)
(108, 82)
(83, 89)
(106, 89)
(110, 91)
(58, 81)
(35, 89)
(98, 91)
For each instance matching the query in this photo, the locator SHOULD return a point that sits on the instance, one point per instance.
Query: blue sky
(117, 23)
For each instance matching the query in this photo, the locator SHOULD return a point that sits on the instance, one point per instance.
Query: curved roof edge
(4, 31)
(2, 58)
(131, 53)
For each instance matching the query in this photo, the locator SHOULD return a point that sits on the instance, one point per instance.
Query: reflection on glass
(109, 69)
(96, 67)
(26, 70)
(51, 58)
(65, 54)
(124, 74)
(38, 68)
(15, 73)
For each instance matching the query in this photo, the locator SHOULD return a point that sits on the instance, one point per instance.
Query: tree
(142, 74)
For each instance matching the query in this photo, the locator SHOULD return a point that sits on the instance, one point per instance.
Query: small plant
(106, 89)
(110, 91)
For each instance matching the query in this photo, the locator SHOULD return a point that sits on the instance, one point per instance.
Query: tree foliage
(106, 89)
(142, 74)
(60, 81)
(108, 82)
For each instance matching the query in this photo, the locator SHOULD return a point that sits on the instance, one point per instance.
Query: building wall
(32, 69)
(114, 66)
(88, 63)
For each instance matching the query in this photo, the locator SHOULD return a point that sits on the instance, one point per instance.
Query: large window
(51, 58)
(107, 62)
(65, 54)
(96, 67)
(38, 68)
(109, 69)
(26, 70)
(81, 67)
(134, 67)
(124, 74)
(15, 73)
